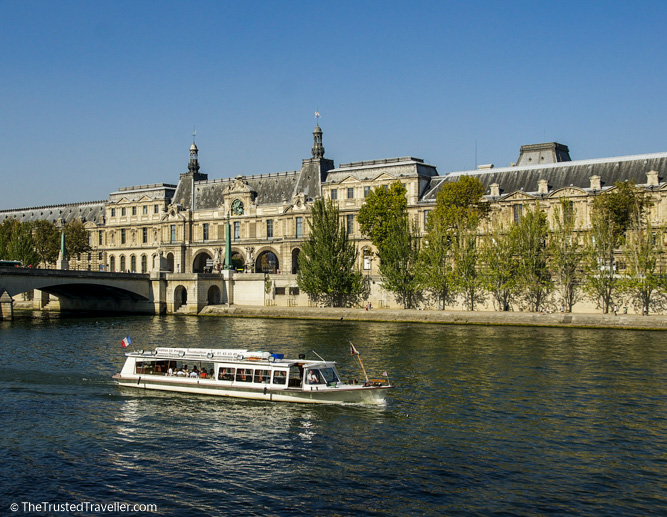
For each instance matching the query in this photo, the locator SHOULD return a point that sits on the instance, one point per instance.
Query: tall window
(367, 190)
(134, 210)
(427, 213)
(145, 210)
(172, 233)
(100, 235)
(144, 264)
(237, 230)
(334, 193)
(350, 193)
(122, 211)
(156, 209)
(299, 227)
(113, 212)
(269, 229)
(112, 264)
(144, 235)
(133, 264)
(122, 236)
(517, 212)
(205, 231)
(122, 264)
(350, 224)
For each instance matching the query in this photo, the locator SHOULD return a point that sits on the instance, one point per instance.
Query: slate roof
(369, 170)
(89, 211)
(562, 174)
(268, 188)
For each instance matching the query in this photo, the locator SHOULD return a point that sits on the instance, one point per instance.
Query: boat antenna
(354, 352)
(318, 355)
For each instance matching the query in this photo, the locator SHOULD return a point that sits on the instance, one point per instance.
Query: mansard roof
(92, 211)
(153, 191)
(561, 174)
(406, 166)
(267, 188)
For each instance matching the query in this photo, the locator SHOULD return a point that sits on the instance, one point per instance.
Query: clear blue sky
(103, 94)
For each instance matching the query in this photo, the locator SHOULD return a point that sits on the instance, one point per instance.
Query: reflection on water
(520, 421)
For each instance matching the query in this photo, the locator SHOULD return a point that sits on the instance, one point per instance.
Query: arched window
(144, 264)
(122, 263)
(133, 264)
(112, 263)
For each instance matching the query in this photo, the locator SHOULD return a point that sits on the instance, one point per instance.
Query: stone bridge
(154, 293)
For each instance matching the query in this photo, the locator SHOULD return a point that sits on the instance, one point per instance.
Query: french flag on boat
(126, 342)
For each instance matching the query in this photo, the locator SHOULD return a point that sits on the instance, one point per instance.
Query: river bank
(622, 321)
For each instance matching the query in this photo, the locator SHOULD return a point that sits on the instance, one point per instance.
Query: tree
(642, 280)
(398, 258)
(530, 241)
(77, 238)
(467, 280)
(611, 215)
(448, 263)
(461, 201)
(379, 211)
(17, 242)
(566, 254)
(47, 241)
(327, 262)
(497, 255)
(434, 266)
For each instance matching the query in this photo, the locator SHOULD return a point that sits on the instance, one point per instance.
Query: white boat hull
(317, 395)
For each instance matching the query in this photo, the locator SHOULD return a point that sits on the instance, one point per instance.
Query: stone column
(6, 306)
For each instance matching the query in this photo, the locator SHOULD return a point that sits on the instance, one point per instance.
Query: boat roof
(235, 355)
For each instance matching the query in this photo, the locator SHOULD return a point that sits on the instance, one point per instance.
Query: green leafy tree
(642, 281)
(466, 279)
(460, 202)
(497, 255)
(47, 241)
(379, 211)
(530, 241)
(6, 230)
(566, 254)
(435, 266)
(77, 238)
(398, 261)
(611, 215)
(19, 243)
(327, 262)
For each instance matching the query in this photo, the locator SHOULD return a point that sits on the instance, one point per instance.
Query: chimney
(596, 184)
(652, 178)
(542, 186)
(495, 190)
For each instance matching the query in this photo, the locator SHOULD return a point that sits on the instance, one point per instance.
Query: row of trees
(38, 242)
(468, 255)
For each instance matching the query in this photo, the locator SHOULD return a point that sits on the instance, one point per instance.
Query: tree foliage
(399, 254)
(497, 255)
(47, 241)
(460, 202)
(77, 238)
(379, 211)
(530, 241)
(612, 214)
(566, 254)
(435, 266)
(327, 262)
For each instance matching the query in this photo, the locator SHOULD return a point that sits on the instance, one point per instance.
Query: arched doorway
(170, 262)
(180, 297)
(238, 262)
(214, 295)
(295, 260)
(267, 262)
(200, 265)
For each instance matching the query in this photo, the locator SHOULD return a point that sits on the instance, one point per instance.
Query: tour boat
(246, 374)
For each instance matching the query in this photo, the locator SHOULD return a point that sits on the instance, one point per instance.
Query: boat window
(280, 377)
(244, 375)
(226, 374)
(313, 376)
(295, 374)
(262, 376)
(330, 376)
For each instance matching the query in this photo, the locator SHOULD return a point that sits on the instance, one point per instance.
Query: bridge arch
(199, 262)
(267, 262)
(180, 297)
(214, 296)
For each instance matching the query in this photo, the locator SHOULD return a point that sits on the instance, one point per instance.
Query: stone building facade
(181, 228)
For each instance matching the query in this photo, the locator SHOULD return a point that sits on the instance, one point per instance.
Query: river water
(484, 420)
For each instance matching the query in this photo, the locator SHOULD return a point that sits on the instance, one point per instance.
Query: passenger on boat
(312, 377)
(170, 373)
(193, 374)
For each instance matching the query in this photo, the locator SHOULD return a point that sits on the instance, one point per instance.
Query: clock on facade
(237, 207)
